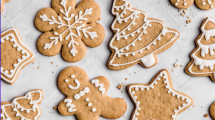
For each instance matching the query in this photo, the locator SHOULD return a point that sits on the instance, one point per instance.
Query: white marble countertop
(21, 14)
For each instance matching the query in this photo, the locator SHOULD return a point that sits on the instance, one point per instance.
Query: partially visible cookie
(137, 38)
(203, 57)
(205, 4)
(14, 55)
(212, 110)
(2, 4)
(182, 4)
(87, 100)
(158, 100)
(23, 107)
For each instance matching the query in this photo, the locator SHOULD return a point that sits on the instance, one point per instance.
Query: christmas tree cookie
(23, 107)
(203, 57)
(158, 100)
(87, 100)
(137, 38)
(69, 28)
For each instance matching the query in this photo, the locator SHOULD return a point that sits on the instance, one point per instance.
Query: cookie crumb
(52, 62)
(189, 21)
(52, 71)
(175, 64)
(179, 10)
(126, 78)
(181, 65)
(55, 107)
(184, 11)
(38, 67)
(182, 14)
(119, 86)
(206, 115)
(33, 67)
(33, 62)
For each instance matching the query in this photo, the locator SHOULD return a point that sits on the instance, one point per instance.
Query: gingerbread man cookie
(203, 57)
(158, 100)
(14, 55)
(69, 28)
(23, 107)
(212, 110)
(137, 38)
(87, 100)
(2, 4)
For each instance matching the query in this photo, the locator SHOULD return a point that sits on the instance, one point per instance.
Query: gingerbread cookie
(203, 57)
(182, 4)
(212, 110)
(87, 100)
(23, 107)
(70, 28)
(14, 55)
(205, 4)
(158, 100)
(2, 4)
(137, 38)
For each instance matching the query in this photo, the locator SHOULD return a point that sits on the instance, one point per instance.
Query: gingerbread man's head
(87, 100)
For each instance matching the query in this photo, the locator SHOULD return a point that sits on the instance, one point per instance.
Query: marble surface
(21, 14)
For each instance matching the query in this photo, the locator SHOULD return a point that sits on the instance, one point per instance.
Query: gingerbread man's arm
(113, 108)
(102, 84)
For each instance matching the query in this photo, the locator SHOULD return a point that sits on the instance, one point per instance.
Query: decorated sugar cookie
(2, 4)
(203, 57)
(69, 29)
(14, 55)
(212, 110)
(137, 38)
(158, 100)
(182, 4)
(87, 99)
(205, 4)
(23, 107)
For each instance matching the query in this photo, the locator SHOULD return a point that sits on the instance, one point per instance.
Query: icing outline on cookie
(204, 50)
(17, 67)
(16, 106)
(147, 60)
(151, 86)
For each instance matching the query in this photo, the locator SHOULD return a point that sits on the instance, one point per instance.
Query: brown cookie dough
(203, 58)
(182, 4)
(158, 100)
(69, 28)
(137, 38)
(14, 55)
(87, 100)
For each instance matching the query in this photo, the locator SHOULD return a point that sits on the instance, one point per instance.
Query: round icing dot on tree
(72, 76)
(94, 109)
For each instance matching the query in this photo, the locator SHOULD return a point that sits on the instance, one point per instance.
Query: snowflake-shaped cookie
(70, 27)
(14, 55)
(87, 100)
(158, 100)
(23, 107)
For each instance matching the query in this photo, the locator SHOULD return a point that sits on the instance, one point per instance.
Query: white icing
(81, 93)
(70, 105)
(94, 110)
(72, 76)
(119, 34)
(87, 99)
(151, 86)
(184, 3)
(16, 106)
(204, 50)
(77, 85)
(78, 21)
(21, 62)
(209, 2)
(89, 104)
(148, 60)
(101, 88)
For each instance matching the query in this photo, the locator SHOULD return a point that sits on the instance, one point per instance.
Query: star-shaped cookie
(158, 100)
(14, 55)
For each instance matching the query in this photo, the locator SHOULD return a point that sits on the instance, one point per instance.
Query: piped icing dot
(72, 76)
(66, 80)
(87, 99)
(94, 110)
